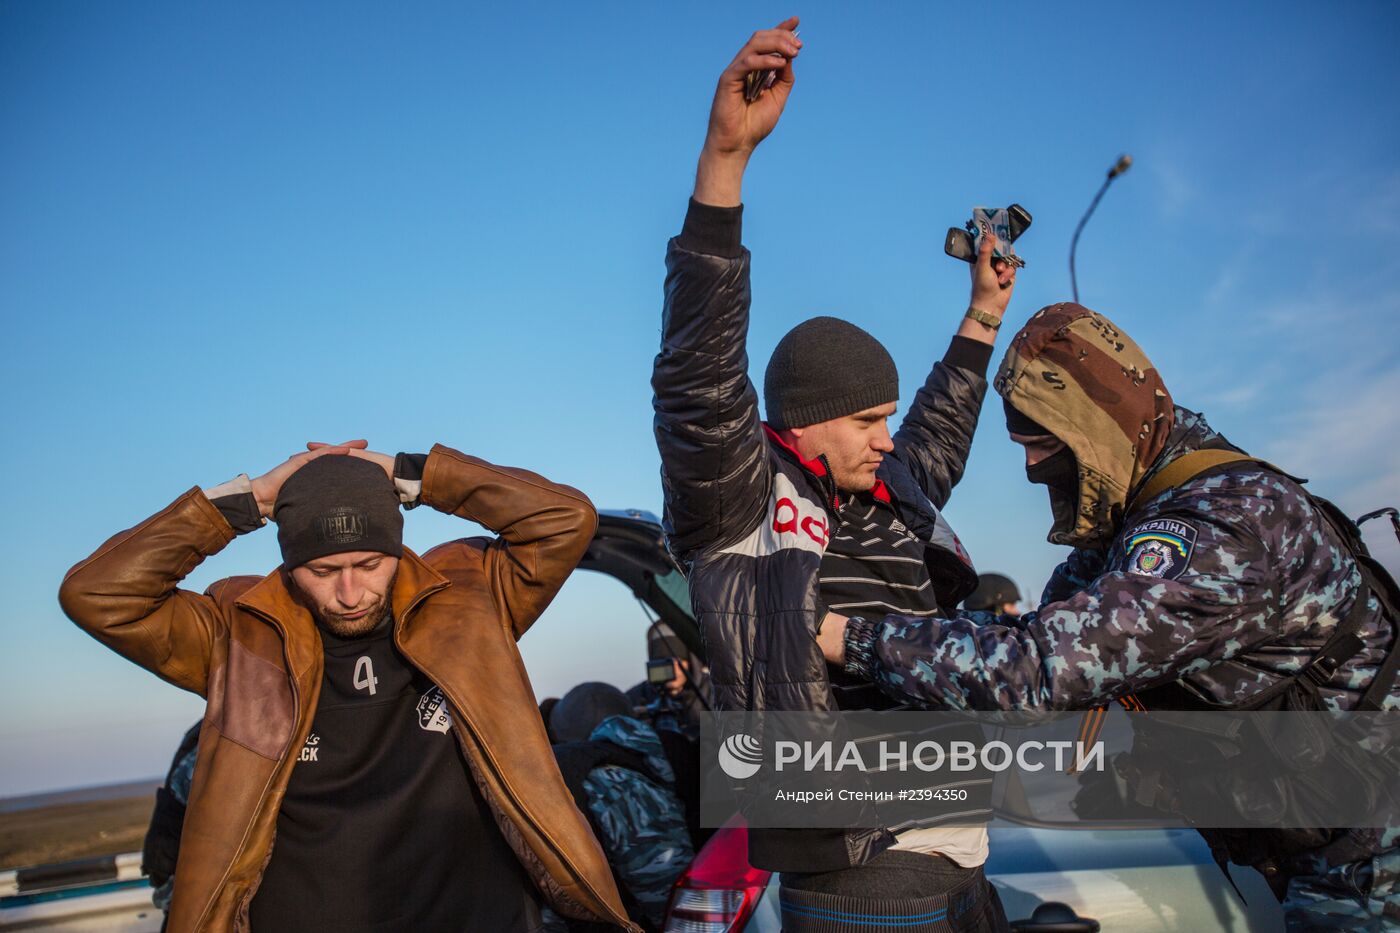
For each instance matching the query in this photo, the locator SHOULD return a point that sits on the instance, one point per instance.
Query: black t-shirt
(382, 827)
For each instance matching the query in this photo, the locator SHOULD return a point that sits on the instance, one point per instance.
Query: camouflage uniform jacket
(641, 823)
(1223, 583)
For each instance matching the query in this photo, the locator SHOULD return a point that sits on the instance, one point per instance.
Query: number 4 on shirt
(364, 675)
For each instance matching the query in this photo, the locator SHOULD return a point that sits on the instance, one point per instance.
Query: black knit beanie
(584, 708)
(334, 504)
(826, 368)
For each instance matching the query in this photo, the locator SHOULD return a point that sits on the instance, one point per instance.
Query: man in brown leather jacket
(367, 707)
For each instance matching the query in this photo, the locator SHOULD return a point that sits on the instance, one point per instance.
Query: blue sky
(228, 229)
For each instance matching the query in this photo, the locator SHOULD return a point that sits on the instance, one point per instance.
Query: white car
(1053, 880)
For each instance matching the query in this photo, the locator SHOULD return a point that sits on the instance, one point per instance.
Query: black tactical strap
(1383, 680)
(1380, 584)
(1344, 644)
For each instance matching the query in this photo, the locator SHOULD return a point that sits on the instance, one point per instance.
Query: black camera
(661, 671)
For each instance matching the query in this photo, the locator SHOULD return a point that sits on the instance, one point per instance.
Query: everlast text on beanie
(336, 504)
(826, 368)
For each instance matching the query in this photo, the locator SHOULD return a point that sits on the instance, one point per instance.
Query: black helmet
(992, 591)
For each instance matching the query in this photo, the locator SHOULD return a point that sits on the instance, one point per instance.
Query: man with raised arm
(371, 757)
(816, 507)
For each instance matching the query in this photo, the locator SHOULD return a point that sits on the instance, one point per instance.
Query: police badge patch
(1160, 548)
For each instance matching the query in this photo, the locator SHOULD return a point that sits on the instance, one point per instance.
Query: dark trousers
(906, 891)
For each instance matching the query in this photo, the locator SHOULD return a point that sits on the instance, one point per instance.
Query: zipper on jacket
(240, 917)
(830, 481)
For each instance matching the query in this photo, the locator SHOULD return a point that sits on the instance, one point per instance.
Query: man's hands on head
(993, 280)
(267, 486)
(358, 449)
(738, 126)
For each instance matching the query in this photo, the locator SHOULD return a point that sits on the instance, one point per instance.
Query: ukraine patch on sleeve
(1160, 548)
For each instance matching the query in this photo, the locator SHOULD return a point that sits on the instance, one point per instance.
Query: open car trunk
(630, 546)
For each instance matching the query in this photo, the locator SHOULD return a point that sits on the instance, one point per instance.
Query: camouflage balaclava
(1072, 371)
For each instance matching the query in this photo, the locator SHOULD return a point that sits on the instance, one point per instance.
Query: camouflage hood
(1085, 381)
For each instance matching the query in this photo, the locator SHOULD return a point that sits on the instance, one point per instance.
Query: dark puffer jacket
(750, 520)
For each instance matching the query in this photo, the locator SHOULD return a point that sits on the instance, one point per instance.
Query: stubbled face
(853, 445)
(349, 594)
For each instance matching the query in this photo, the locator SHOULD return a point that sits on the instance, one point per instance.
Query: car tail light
(720, 889)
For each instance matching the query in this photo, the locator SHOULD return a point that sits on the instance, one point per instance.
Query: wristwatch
(982, 317)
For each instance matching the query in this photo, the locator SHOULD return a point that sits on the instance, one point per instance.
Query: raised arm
(934, 439)
(707, 422)
(127, 595)
(542, 528)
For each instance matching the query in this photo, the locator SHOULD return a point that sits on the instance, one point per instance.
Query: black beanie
(826, 368)
(334, 504)
(584, 708)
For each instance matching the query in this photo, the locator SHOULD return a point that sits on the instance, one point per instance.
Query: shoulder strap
(1344, 643)
(1184, 469)
(1376, 581)
(1374, 698)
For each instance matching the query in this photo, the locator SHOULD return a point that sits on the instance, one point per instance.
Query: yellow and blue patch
(1159, 548)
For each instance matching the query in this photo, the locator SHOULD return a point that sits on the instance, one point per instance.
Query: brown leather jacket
(254, 653)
